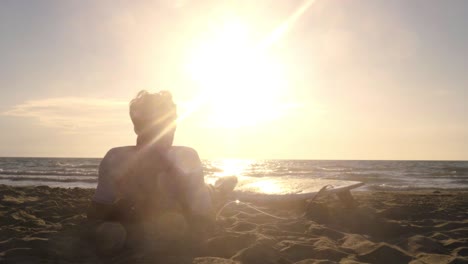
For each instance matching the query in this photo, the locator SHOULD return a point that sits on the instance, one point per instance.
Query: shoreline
(40, 223)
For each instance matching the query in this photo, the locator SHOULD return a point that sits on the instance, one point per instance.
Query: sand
(48, 225)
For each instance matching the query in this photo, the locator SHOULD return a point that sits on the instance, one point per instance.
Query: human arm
(194, 193)
(113, 167)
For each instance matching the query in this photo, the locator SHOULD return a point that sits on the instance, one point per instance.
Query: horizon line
(298, 159)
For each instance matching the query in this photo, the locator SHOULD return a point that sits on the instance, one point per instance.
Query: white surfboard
(287, 188)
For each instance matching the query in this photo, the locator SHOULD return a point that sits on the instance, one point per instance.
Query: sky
(267, 79)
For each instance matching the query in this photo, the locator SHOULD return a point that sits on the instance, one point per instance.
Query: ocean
(377, 175)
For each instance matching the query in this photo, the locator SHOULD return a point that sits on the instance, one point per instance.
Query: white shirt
(185, 160)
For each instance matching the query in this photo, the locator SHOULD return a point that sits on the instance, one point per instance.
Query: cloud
(74, 113)
(109, 118)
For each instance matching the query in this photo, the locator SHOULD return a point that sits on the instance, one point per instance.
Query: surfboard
(288, 188)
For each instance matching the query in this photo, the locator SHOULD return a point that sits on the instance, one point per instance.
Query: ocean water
(377, 175)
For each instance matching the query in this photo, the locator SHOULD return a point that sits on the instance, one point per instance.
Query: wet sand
(48, 225)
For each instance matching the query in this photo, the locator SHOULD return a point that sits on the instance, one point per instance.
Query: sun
(241, 82)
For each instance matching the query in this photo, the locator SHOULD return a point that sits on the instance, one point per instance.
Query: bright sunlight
(241, 82)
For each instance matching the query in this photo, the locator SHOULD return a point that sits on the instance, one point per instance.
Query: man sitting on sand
(144, 182)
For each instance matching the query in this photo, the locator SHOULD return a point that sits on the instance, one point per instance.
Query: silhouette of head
(153, 116)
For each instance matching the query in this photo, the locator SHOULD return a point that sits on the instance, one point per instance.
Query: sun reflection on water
(265, 187)
(227, 167)
(232, 167)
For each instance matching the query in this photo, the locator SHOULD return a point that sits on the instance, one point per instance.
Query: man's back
(154, 179)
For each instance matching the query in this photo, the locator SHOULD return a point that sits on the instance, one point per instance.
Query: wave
(49, 179)
(378, 175)
(335, 169)
(51, 173)
(78, 166)
(388, 187)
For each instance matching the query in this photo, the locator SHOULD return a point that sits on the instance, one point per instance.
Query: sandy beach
(48, 225)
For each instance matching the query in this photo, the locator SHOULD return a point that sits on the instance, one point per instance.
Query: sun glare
(232, 167)
(266, 186)
(229, 167)
(241, 82)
